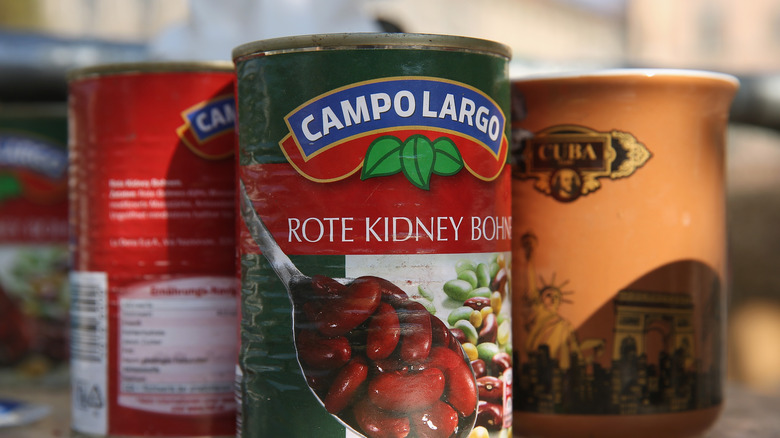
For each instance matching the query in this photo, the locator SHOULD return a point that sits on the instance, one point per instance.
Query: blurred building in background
(550, 33)
(729, 35)
(543, 34)
(133, 21)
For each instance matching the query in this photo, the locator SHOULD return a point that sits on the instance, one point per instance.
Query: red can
(152, 244)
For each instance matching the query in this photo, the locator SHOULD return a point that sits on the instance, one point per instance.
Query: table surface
(747, 414)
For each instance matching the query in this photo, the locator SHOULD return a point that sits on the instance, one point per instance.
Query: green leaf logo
(10, 187)
(383, 158)
(417, 157)
(448, 159)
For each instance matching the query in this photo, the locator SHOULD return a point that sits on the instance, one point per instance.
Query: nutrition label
(177, 338)
(148, 199)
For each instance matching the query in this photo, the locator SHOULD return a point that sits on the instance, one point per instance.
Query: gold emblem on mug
(567, 161)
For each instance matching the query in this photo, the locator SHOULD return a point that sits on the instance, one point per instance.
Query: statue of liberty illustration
(543, 323)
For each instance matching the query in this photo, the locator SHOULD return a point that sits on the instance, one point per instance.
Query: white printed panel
(178, 343)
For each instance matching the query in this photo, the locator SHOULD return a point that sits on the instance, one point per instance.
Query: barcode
(88, 318)
(89, 351)
(238, 386)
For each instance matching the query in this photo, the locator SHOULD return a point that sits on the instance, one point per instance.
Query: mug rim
(627, 73)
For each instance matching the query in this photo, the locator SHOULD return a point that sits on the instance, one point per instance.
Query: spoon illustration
(376, 360)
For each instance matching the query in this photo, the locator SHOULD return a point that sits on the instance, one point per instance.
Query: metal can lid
(341, 41)
(150, 67)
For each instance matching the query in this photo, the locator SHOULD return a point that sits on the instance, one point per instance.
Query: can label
(375, 247)
(33, 245)
(154, 292)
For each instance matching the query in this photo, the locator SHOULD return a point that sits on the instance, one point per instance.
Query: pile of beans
(483, 331)
(381, 362)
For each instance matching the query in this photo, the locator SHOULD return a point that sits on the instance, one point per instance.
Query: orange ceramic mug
(619, 252)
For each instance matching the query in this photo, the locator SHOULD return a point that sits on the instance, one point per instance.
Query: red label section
(460, 214)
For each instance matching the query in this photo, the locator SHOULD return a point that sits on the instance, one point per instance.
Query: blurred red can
(152, 243)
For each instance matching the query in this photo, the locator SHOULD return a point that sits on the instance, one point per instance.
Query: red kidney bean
(458, 335)
(443, 358)
(441, 334)
(318, 380)
(383, 333)
(406, 392)
(490, 415)
(501, 362)
(413, 368)
(490, 388)
(345, 385)
(489, 330)
(460, 388)
(477, 303)
(321, 293)
(479, 367)
(377, 423)
(416, 333)
(391, 364)
(327, 287)
(499, 282)
(321, 352)
(351, 308)
(312, 310)
(391, 293)
(438, 421)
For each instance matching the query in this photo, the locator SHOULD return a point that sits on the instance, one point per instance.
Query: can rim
(44, 109)
(149, 67)
(368, 40)
(629, 73)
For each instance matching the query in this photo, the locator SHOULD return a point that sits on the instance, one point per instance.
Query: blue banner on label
(214, 117)
(388, 104)
(47, 159)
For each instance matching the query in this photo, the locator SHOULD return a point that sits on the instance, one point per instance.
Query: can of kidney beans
(374, 236)
(153, 235)
(33, 244)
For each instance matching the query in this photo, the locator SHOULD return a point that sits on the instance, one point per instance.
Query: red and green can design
(153, 247)
(374, 237)
(33, 244)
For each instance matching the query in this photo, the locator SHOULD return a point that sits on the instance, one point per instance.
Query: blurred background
(40, 40)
